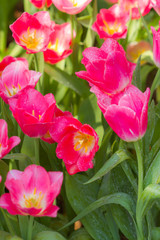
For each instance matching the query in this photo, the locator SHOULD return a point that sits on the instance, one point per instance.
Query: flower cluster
(37, 33)
(123, 105)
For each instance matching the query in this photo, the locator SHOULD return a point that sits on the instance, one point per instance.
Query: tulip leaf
(90, 113)
(49, 235)
(3, 172)
(137, 75)
(18, 156)
(122, 199)
(80, 196)
(155, 233)
(80, 234)
(153, 173)
(149, 134)
(149, 195)
(117, 158)
(72, 82)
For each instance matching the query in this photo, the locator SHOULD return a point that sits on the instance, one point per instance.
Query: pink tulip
(33, 112)
(41, 3)
(71, 6)
(111, 1)
(7, 60)
(156, 5)
(107, 67)
(131, 6)
(32, 32)
(156, 46)
(59, 45)
(111, 23)
(32, 192)
(126, 113)
(15, 77)
(77, 143)
(57, 113)
(6, 144)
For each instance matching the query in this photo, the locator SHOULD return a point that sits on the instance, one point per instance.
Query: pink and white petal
(12, 142)
(51, 211)
(34, 77)
(124, 122)
(35, 177)
(3, 132)
(56, 179)
(6, 203)
(65, 149)
(63, 125)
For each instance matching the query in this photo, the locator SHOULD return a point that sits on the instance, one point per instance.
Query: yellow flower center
(83, 142)
(11, 92)
(33, 113)
(111, 29)
(54, 46)
(75, 3)
(34, 200)
(30, 39)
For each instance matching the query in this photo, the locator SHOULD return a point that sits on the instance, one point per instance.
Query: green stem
(39, 67)
(27, 5)
(155, 84)
(36, 144)
(140, 168)
(30, 228)
(140, 188)
(9, 225)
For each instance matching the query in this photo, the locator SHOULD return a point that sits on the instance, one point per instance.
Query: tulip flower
(107, 67)
(135, 49)
(71, 6)
(41, 3)
(131, 6)
(77, 143)
(32, 192)
(156, 5)
(111, 1)
(126, 112)
(6, 144)
(32, 32)
(15, 77)
(59, 45)
(156, 46)
(7, 60)
(57, 113)
(111, 23)
(33, 112)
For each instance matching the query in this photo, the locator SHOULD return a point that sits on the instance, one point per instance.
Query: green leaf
(80, 196)
(155, 233)
(90, 113)
(122, 199)
(118, 182)
(80, 234)
(153, 173)
(49, 235)
(67, 80)
(137, 75)
(84, 20)
(18, 156)
(3, 172)
(149, 134)
(117, 158)
(149, 195)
